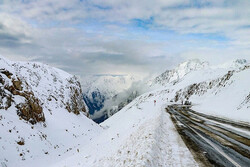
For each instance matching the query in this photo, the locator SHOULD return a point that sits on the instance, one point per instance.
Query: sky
(118, 37)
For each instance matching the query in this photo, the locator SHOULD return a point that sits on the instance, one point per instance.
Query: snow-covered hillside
(221, 90)
(175, 75)
(98, 89)
(142, 133)
(42, 114)
(193, 80)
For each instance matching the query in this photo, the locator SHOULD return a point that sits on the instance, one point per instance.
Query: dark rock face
(32, 88)
(6, 72)
(31, 111)
(11, 86)
(96, 103)
(76, 103)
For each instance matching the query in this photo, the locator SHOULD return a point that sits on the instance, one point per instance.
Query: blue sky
(124, 37)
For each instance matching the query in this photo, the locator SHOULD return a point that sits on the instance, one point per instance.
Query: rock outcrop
(32, 88)
(12, 87)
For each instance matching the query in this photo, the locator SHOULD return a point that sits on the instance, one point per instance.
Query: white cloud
(100, 37)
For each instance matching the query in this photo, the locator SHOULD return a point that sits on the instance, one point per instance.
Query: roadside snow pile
(42, 114)
(141, 134)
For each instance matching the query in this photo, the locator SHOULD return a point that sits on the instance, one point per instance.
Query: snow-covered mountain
(175, 75)
(187, 77)
(99, 89)
(221, 90)
(42, 114)
(142, 133)
(200, 83)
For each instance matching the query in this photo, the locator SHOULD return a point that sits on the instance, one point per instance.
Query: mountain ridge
(42, 115)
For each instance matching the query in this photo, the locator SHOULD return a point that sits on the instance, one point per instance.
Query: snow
(53, 139)
(62, 133)
(226, 102)
(175, 75)
(226, 98)
(141, 134)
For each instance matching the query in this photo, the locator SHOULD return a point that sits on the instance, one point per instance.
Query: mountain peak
(174, 75)
(190, 65)
(235, 64)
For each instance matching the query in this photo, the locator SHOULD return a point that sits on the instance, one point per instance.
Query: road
(213, 141)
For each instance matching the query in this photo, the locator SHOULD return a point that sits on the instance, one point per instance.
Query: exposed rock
(17, 84)
(38, 87)
(1, 80)
(21, 142)
(76, 103)
(202, 87)
(245, 102)
(31, 109)
(6, 72)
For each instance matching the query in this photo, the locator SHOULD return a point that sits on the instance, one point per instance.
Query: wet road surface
(213, 141)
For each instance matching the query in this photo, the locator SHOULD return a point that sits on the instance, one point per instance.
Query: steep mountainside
(36, 101)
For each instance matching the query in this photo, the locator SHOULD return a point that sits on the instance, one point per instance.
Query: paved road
(213, 141)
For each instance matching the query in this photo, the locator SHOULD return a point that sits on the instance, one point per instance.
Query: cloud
(119, 37)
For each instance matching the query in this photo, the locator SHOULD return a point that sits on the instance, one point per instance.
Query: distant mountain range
(110, 94)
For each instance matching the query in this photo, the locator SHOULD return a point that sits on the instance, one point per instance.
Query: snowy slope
(226, 96)
(141, 134)
(175, 75)
(42, 115)
(221, 90)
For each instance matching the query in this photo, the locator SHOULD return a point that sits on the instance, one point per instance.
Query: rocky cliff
(31, 88)
(42, 114)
